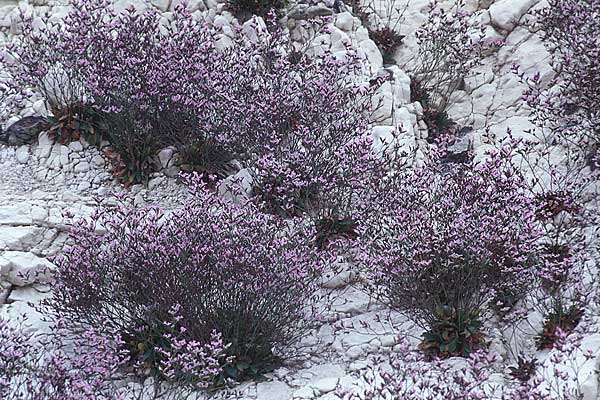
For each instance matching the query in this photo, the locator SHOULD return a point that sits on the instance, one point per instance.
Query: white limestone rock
(44, 145)
(383, 137)
(306, 392)
(193, 5)
(23, 268)
(254, 28)
(506, 14)
(14, 313)
(82, 167)
(345, 21)
(371, 53)
(240, 184)
(401, 85)
(22, 154)
(162, 5)
(273, 391)
(15, 214)
(33, 293)
(339, 39)
(98, 161)
(20, 237)
(40, 108)
(325, 385)
(76, 146)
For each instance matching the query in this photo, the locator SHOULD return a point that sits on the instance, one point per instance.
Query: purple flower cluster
(406, 374)
(569, 103)
(410, 376)
(231, 271)
(58, 366)
(247, 91)
(459, 238)
(450, 46)
(565, 108)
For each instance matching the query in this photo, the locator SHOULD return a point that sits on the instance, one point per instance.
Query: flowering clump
(564, 280)
(447, 51)
(59, 365)
(411, 376)
(246, 95)
(383, 21)
(142, 73)
(318, 177)
(569, 104)
(246, 277)
(441, 245)
(450, 46)
(311, 119)
(566, 110)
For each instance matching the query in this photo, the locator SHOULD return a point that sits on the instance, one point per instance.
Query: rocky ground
(38, 183)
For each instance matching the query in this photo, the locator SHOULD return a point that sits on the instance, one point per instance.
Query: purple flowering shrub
(52, 368)
(312, 118)
(319, 181)
(131, 65)
(252, 95)
(450, 46)
(569, 103)
(407, 374)
(443, 245)
(93, 363)
(565, 109)
(229, 269)
(565, 197)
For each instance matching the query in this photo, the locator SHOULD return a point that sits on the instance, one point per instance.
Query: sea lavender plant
(383, 21)
(451, 44)
(567, 370)
(568, 104)
(311, 118)
(58, 365)
(408, 375)
(251, 95)
(93, 363)
(127, 64)
(560, 160)
(565, 197)
(440, 245)
(250, 277)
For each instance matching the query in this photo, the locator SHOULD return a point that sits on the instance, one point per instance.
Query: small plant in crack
(525, 368)
(560, 318)
(77, 121)
(455, 333)
(448, 52)
(208, 158)
(332, 227)
(440, 126)
(387, 40)
(382, 20)
(568, 101)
